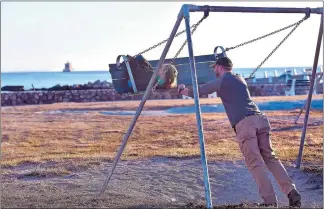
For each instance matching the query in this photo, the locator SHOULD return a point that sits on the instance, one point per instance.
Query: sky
(42, 36)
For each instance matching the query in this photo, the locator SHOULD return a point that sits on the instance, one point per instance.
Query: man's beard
(217, 74)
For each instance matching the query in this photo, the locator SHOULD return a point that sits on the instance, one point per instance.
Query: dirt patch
(154, 183)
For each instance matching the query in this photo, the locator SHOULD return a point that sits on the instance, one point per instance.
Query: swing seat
(121, 79)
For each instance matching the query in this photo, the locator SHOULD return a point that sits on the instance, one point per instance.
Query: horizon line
(103, 70)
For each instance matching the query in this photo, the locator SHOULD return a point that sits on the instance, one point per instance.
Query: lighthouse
(67, 67)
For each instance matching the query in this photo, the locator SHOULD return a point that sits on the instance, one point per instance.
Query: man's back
(236, 98)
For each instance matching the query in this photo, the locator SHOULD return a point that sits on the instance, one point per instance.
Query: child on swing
(166, 77)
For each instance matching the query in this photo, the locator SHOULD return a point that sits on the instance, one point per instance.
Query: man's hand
(182, 89)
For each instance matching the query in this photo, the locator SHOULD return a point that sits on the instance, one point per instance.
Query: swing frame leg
(309, 99)
(193, 70)
(184, 12)
(300, 112)
(142, 103)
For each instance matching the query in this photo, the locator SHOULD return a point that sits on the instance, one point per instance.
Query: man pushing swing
(252, 130)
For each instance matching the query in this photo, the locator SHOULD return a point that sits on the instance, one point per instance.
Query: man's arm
(203, 89)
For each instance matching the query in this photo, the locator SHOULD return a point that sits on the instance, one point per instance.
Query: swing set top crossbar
(195, 8)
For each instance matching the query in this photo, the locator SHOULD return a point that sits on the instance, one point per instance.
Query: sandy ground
(157, 182)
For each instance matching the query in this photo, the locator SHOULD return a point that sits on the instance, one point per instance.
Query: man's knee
(253, 162)
(251, 153)
(269, 155)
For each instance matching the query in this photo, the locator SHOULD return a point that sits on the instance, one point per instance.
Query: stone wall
(275, 89)
(94, 95)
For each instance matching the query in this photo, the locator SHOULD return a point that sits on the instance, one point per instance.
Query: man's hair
(227, 68)
(225, 62)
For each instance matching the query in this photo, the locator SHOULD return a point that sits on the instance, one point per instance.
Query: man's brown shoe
(294, 199)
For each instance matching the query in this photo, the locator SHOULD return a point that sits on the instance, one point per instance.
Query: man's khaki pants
(253, 136)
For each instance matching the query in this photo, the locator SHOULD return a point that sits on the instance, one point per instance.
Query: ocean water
(49, 79)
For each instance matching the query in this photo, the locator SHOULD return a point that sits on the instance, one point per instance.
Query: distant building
(67, 67)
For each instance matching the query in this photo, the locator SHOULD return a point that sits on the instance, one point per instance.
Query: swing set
(122, 75)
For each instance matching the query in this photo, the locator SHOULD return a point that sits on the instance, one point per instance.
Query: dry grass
(28, 136)
(45, 172)
(64, 146)
(132, 105)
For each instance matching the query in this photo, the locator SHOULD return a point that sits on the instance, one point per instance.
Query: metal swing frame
(185, 14)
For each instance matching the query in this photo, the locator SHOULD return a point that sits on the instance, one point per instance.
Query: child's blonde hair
(171, 74)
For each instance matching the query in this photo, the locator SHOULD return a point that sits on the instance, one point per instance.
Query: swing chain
(194, 26)
(269, 34)
(206, 13)
(281, 42)
(183, 45)
(162, 42)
